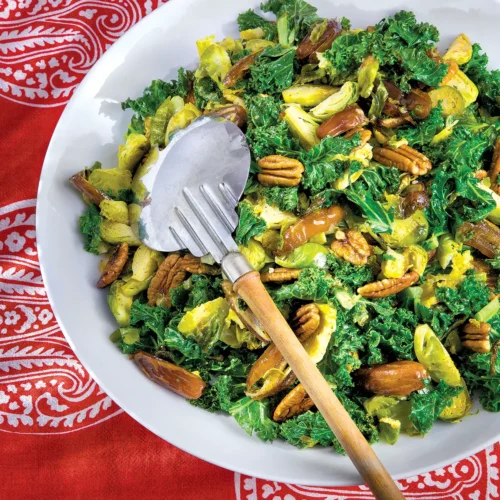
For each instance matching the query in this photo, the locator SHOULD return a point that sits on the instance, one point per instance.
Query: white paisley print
(43, 386)
(47, 46)
(475, 478)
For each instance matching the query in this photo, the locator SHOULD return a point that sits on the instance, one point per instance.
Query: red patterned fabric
(61, 435)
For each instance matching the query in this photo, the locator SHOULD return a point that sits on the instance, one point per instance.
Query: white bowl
(91, 128)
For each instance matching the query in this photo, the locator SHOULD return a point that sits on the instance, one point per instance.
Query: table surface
(61, 435)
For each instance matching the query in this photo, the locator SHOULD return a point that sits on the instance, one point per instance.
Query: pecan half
(247, 317)
(306, 321)
(404, 158)
(476, 336)
(232, 112)
(364, 133)
(279, 275)
(277, 170)
(483, 236)
(169, 275)
(90, 192)
(114, 266)
(394, 379)
(352, 246)
(495, 167)
(294, 403)
(173, 377)
(390, 286)
(343, 121)
(319, 39)
(237, 72)
(194, 265)
(316, 222)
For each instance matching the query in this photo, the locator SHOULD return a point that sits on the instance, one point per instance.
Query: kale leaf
(90, 224)
(249, 225)
(253, 417)
(249, 20)
(426, 407)
(285, 198)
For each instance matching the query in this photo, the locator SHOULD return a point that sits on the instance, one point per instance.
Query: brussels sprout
(215, 63)
(252, 34)
(416, 258)
(389, 429)
(464, 85)
(203, 43)
(255, 254)
(159, 122)
(446, 132)
(393, 408)
(459, 51)
(115, 211)
(181, 120)
(394, 264)
(450, 98)
(132, 152)
(231, 45)
(258, 45)
(460, 407)
(137, 184)
(273, 216)
(307, 255)
(348, 94)
(133, 287)
(205, 323)
(130, 335)
(308, 95)
(302, 126)
(447, 248)
(406, 232)
(119, 304)
(111, 180)
(236, 335)
(145, 263)
(350, 177)
(488, 311)
(317, 344)
(115, 232)
(367, 75)
(270, 240)
(134, 213)
(434, 356)
(494, 215)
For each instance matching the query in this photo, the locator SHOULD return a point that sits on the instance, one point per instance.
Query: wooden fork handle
(252, 291)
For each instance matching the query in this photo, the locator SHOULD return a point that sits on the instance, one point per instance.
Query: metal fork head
(193, 188)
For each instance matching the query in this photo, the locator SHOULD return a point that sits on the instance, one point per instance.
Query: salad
(372, 213)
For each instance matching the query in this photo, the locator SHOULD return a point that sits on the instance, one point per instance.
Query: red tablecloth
(61, 435)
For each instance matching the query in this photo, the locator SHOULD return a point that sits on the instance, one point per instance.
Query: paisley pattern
(43, 386)
(475, 478)
(47, 46)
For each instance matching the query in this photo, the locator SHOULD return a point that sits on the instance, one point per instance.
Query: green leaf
(205, 91)
(285, 198)
(273, 70)
(426, 407)
(378, 217)
(249, 225)
(253, 417)
(249, 20)
(90, 224)
(488, 82)
(326, 162)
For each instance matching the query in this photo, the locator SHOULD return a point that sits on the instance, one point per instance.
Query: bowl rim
(186, 447)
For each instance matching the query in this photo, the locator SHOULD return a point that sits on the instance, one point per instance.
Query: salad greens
(374, 158)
